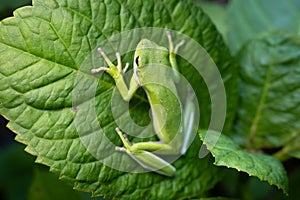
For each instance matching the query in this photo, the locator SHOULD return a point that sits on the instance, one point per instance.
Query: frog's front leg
(140, 153)
(117, 73)
(172, 53)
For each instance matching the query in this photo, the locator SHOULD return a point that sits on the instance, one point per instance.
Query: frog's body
(166, 108)
(163, 99)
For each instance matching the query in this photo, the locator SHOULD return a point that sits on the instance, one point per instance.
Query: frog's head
(148, 52)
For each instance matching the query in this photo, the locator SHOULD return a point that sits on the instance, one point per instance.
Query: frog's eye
(137, 61)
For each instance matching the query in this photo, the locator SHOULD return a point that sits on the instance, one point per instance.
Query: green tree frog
(171, 125)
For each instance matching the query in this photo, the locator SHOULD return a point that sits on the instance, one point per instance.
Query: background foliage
(264, 36)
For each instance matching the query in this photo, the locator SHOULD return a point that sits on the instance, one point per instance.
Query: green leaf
(41, 51)
(228, 153)
(250, 18)
(269, 111)
(295, 153)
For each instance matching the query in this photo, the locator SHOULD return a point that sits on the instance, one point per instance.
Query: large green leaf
(269, 110)
(42, 49)
(228, 153)
(247, 19)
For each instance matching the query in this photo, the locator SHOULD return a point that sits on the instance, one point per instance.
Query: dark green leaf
(269, 110)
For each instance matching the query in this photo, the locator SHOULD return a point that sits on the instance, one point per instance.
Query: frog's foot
(171, 45)
(111, 69)
(120, 149)
(127, 144)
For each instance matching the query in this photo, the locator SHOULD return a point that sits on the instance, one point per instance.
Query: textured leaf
(269, 110)
(41, 51)
(249, 18)
(228, 153)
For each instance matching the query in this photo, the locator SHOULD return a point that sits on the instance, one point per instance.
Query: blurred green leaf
(295, 154)
(290, 149)
(247, 19)
(228, 153)
(269, 110)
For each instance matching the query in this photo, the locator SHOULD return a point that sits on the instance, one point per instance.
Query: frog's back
(166, 111)
(155, 75)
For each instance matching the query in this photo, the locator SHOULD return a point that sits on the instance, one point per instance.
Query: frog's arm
(116, 72)
(172, 54)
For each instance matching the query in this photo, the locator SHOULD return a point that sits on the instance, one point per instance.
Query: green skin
(165, 108)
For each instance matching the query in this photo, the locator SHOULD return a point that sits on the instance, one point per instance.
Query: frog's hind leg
(125, 141)
(162, 148)
(145, 158)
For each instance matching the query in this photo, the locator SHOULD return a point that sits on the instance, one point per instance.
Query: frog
(171, 120)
